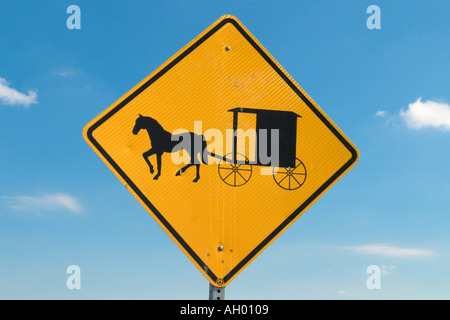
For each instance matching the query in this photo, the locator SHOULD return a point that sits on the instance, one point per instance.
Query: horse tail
(205, 152)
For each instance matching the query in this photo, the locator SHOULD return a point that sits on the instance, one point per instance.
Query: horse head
(139, 124)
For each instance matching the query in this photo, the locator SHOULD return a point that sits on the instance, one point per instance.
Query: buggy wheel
(290, 178)
(235, 175)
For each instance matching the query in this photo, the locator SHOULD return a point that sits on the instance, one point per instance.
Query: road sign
(222, 147)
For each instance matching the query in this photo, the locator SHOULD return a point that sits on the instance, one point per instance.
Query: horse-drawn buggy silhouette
(288, 172)
(235, 169)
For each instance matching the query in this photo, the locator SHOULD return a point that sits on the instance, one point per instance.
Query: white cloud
(10, 96)
(47, 202)
(427, 114)
(387, 270)
(380, 113)
(390, 251)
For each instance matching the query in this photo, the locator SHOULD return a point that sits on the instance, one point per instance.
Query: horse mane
(155, 127)
(153, 123)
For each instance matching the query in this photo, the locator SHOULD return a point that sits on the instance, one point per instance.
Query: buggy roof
(262, 111)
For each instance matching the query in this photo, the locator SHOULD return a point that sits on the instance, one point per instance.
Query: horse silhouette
(163, 141)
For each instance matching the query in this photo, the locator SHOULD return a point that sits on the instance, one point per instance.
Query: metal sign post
(216, 293)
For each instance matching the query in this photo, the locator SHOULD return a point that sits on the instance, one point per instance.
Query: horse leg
(158, 161)
(198, 173)
(146, 155)
(179, 172)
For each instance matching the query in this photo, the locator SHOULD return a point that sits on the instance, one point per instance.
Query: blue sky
(387, 89)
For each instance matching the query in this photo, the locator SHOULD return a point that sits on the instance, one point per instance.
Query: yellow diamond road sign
(222, 147)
